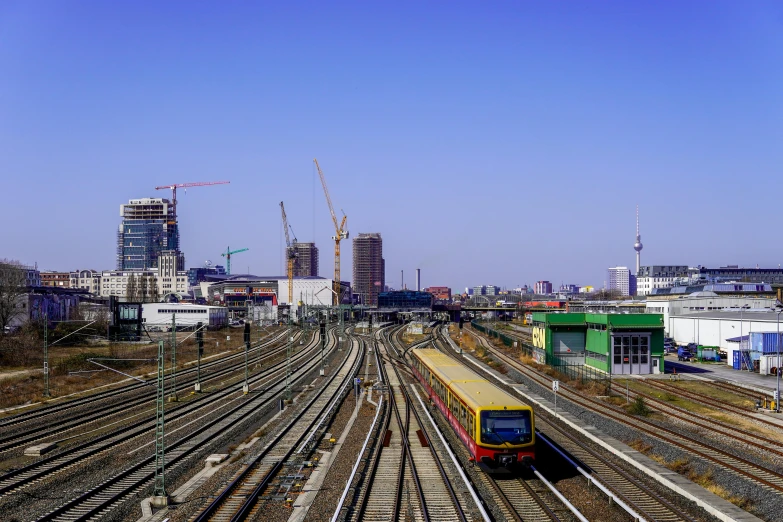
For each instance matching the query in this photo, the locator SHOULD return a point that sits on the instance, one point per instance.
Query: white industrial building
(722, 328)
(159, 315)
(675, 306)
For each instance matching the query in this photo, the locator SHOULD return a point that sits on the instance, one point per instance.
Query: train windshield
(506, 427)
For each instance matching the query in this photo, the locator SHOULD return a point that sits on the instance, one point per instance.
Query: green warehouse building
(613, 343)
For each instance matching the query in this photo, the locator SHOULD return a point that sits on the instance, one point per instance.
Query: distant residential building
(441, 293)
(651, 277)
(88, 280)
(56, 279)
(619, 278)
(543, 287)
(569, 289)
(115, 282)
(369, 276)
(306, 264)
(479, 290)
(148, 227)
(492, 290)
(587, 289)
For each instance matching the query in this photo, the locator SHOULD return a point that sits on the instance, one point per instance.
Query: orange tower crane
(340, 233)
(290, 254)
(175, 186)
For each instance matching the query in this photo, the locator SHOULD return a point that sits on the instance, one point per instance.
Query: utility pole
(200, 341)
(159, 496)
(246, 387)
(173, 397)
(323, 346)
(289, 352)
(46, 356)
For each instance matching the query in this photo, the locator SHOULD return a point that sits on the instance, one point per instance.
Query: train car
(497, 428)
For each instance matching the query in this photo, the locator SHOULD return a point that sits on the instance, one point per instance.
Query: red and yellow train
(497, 428)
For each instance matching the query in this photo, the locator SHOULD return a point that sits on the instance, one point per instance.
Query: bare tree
(130, 289)
(153, 286)
(142, 289)
(13, 286)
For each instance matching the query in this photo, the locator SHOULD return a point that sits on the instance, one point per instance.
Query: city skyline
(592, 109)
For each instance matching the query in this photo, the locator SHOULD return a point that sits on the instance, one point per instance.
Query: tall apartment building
(148, 228)
(492, 290)
(369, 278)
(543, 287)
(172, 277)
(620, 278)
(479, 290)
(306, 264)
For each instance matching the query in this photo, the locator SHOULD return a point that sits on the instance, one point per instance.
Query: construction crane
(175, 186)
(340, 233)
(227, 254)
(290, 254)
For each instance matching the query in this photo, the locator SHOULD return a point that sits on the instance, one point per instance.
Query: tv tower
(638, 245)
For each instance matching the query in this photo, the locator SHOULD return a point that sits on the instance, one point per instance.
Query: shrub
(639, 407)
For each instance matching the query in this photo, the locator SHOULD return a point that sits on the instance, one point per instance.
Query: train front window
(506, 427)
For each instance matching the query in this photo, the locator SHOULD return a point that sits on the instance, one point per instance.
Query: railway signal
(159, 496)
(555, 388)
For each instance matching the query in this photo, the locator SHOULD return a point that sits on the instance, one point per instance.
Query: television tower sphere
(638, 245)
(208, 263)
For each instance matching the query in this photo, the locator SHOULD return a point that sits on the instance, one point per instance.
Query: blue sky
(489, 142)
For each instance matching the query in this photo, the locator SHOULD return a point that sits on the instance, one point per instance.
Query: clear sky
(489, 142)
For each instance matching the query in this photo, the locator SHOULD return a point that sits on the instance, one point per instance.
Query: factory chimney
(418, 279)
(402, 279)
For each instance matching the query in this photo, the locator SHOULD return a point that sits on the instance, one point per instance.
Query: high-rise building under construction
(306, 264)
(148, 228)
(369, 276)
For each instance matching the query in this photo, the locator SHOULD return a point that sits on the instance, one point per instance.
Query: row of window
(185, 311)
(594, 326)
(597, 356)
(464, 416)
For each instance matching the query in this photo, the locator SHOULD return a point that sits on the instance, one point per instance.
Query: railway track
(104, 413)
(240, 500)
(100, 500)
(763, 444)
(763, 477)
(406, 479)
(527, 503)
(642, 499)
(43, 469)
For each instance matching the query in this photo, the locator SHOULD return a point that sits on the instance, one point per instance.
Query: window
(503, 426)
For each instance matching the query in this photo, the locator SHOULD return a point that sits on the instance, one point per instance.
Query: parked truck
(684, 353)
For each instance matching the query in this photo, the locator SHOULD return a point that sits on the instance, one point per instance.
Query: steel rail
(98, 505)
(250, 500)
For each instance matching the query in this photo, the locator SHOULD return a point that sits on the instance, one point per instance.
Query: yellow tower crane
(290, 254)
(340, 233)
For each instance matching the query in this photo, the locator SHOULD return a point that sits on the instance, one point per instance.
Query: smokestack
(402, 279)
(418, 279)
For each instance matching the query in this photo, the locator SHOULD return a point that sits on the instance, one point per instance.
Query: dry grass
(705, 479)
(28, 388)
(640, 446)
